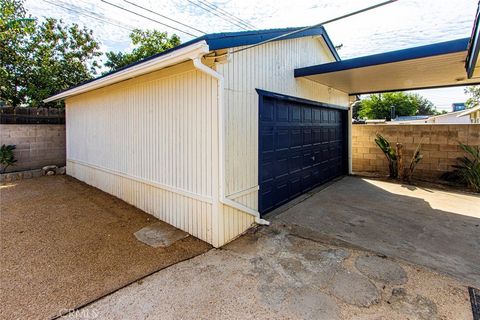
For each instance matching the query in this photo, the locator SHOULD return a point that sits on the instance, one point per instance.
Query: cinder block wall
(439, 146)
(38, 145)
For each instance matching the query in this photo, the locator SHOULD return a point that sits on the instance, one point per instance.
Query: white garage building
(191, 134)
(208, 137)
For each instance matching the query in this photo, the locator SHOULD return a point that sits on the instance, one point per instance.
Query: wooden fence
(22, 115)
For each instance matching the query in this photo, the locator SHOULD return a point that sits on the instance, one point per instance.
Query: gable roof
(217, 41)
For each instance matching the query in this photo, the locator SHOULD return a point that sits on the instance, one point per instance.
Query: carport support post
(352, 100)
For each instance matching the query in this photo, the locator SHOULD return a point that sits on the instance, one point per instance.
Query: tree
(147, 43)
(379, 106)
(474, 93)
(425, 106)
(39, 59)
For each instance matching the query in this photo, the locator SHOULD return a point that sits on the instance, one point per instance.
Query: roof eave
(183, 54)
(385, 58)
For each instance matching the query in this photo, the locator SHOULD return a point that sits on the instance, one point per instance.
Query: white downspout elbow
(197, 62)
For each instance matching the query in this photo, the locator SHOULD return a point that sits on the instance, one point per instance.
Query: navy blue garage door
(302, 144)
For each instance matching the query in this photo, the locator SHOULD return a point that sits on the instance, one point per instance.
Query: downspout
(197, 63)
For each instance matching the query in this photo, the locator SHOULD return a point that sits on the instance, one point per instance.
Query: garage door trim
(263, 93)
(261, 96)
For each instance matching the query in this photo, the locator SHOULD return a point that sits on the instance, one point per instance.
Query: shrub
(395, 158)
(467, 171)
(7, 158)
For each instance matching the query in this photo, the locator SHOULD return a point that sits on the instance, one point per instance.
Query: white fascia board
(468, 111)
(190, 52)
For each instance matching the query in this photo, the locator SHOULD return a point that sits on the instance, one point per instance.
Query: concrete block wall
(38, 145)
(439, 146)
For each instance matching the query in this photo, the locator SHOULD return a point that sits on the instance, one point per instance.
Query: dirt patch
(64, 244)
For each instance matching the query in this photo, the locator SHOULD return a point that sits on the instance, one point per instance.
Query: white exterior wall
(269, 67)
(151, 142)
(449, 119)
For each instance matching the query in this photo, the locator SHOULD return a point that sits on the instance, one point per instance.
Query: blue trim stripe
(225, 40)
(447, 47)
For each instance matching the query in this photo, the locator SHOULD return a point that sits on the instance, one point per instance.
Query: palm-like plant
(7, 158)
(394, 156)
(390, 154)
(413, 163)
(467, 171)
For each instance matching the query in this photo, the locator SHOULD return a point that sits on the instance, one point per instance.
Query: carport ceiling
(431, 66)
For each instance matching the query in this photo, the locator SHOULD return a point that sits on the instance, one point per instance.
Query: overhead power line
(87, 15)
(209, 10)
(148, 18)
(165, 17)
(315, 25)
(222, 11)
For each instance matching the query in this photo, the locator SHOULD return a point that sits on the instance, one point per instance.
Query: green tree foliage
(41, 58)
(378, 106)
(474, 99)
(147, 43)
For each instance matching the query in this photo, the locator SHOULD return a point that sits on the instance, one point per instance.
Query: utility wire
(145, 17)
(315, 25)
(216, 14)
(165, 17)
(87, 15)
(222, 11)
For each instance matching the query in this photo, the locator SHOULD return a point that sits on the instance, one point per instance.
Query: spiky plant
(467, 171)
(390, 154)
(416, 158)
(7, 158)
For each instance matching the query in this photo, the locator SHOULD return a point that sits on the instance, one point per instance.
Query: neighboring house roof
(473, 46)
(410, 118)
(217, 41)
(453, 113)
(468, 111)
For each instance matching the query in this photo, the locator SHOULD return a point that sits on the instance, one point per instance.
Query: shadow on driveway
(436, 229)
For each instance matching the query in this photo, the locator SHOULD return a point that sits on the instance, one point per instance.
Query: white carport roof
(431, 66)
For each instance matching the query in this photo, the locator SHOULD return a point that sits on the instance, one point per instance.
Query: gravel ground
(64, 244)
(272, 273)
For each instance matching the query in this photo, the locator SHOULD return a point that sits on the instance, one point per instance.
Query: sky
(402, 24)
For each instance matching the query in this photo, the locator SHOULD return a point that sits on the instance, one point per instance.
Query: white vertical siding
(149, 141)
(152, 140)
(269, 67)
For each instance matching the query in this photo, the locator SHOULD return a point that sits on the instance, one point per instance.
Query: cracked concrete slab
(270, 273)
(434, 228)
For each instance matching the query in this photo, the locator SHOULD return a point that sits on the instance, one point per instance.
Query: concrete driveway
(334, 255)
(436, 229)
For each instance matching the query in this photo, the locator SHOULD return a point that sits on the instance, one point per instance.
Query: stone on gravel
(381, 269)
(417, 307)
(354, 289)
(308, 303)
(61, 170)
(160, 234)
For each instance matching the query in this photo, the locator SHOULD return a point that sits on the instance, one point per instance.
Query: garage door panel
(301, 146)
(295, 114)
